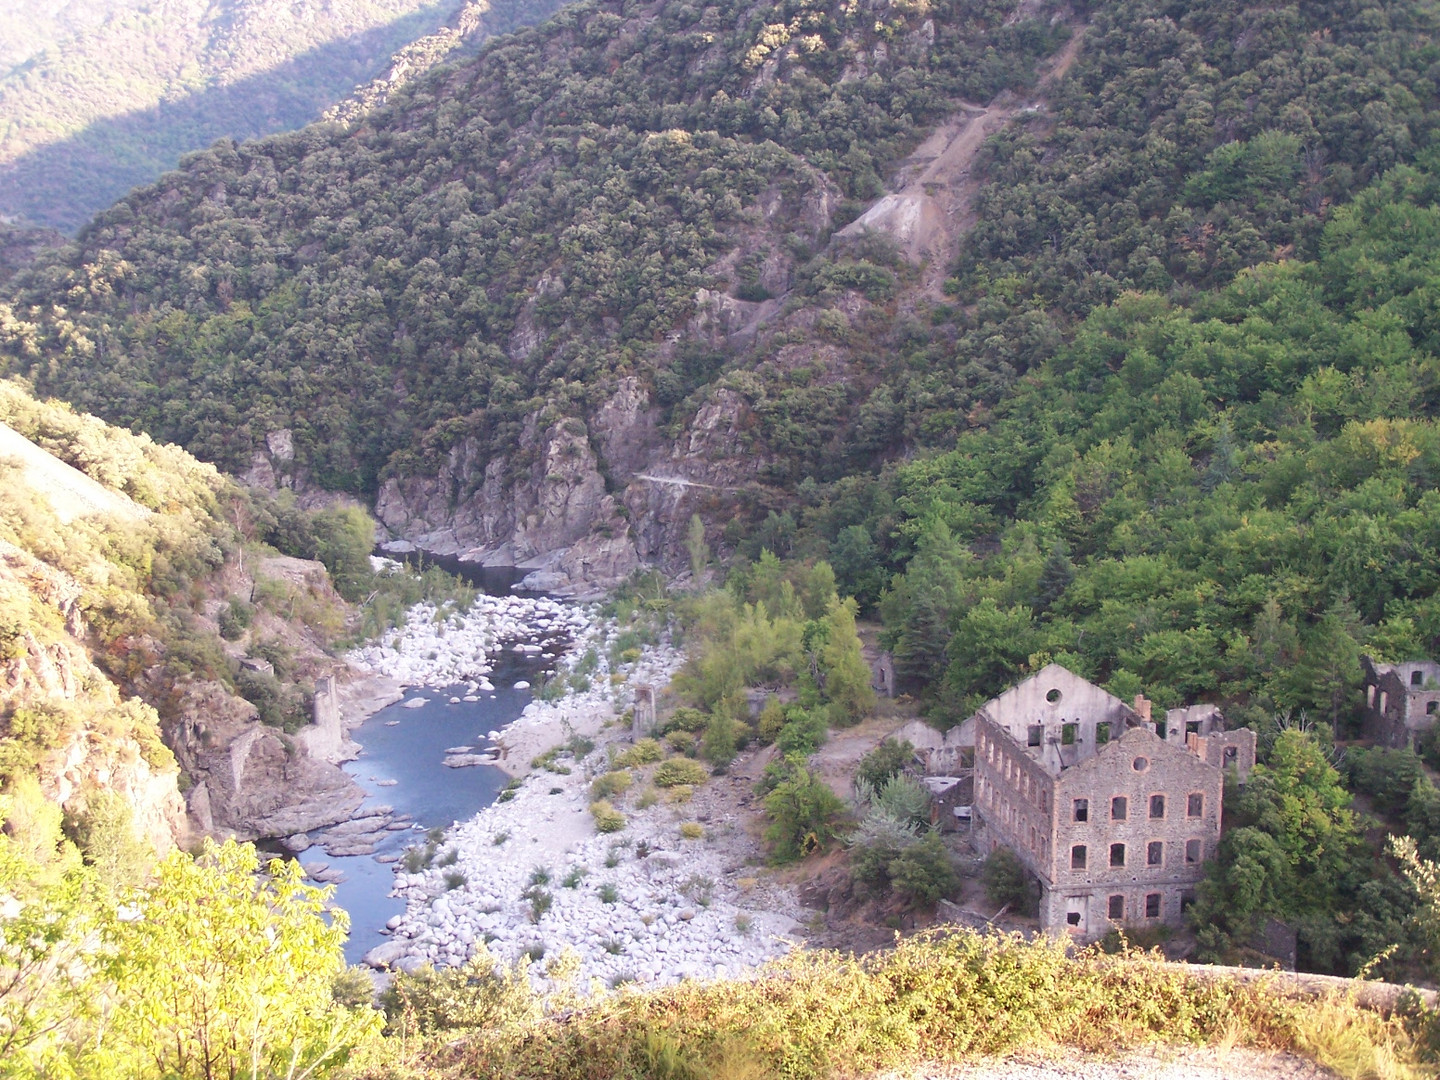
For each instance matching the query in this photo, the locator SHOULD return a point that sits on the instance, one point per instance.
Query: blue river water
(408, 746)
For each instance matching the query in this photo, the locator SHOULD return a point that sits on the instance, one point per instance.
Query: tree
(696, 547)
(1007, 882)
(804, 814)
(1291, 851)
(213, 969)
(880, 764)
(924, 872)
(846, 675)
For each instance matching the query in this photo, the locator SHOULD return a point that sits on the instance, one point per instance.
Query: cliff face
(97, 739)
(114, 673)
(579, 505)
(249, 780)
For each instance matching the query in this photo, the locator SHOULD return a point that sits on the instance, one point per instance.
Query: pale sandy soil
(1150, 1063)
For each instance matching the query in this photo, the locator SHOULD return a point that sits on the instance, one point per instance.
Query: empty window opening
(1152, 905)
(1384, 700)
(1102, 733)
(1054, 696)
(1140, 764)
(1231, 754)
(1036, 735)
(1117, 906)
(1155, 853)
(1082, 809)
(1195, 806)
(1119, 808)
(1430, 707)
(1417, 679)
(1067, 734)
(1117, 854)
(1186, 899)
(1075, 911)
(1077, 857)
(1072, 918)
(1157, 806)
(1161, 728)
(1192, 727)
(1192, 851)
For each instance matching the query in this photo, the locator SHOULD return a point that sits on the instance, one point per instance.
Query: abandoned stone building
(1113, 810)
(1402, 701)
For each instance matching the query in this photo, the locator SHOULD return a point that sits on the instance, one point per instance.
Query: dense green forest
(360, 285)
(96, 99)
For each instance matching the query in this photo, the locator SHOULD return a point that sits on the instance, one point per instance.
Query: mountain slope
(537, 288)
(119, 93)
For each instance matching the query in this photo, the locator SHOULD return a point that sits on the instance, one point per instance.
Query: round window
(1053, 696)
(1141, 764)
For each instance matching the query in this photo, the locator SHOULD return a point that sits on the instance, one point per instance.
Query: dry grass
(940, 998)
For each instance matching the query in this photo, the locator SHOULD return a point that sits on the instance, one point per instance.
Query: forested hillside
(96, 98)
(509, 241)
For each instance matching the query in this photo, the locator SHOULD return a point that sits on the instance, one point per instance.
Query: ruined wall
(1137, 768)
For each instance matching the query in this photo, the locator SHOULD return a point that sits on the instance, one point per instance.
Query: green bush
(804, 816)
(887, 759)
(610, 784)
(804, 731)
(1007, 882)
(686, 719)
(644, 752)
(607, 818)
(677, 771)
(235, 618)
(924, 872)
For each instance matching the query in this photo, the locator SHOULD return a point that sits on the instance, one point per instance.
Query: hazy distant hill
(98, 97)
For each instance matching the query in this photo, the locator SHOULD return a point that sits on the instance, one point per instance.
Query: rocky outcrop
(102, 741)
(249, 780)
(580, 506)
(543, 508)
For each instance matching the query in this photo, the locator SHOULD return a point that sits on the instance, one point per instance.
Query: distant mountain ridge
(110, 96)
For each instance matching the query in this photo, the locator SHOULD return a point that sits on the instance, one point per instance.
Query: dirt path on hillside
(933, 202)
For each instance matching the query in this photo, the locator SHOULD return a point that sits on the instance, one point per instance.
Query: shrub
(607, 818)
(685, 719)
(722, 739)
(679, 771)
(540, 902)
(682, 742)
(885, 761)
(772, 719)
(874, 846)
(1007, 881)
(235, 618)
(573, 878)
(608, 894)
(804, 814)
(644, 752)
(904, 799)
(803, 732)
(692, 830)
(454, 879)
(924, 872)
(610, 784)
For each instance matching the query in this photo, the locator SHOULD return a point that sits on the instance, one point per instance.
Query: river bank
(675, 894)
